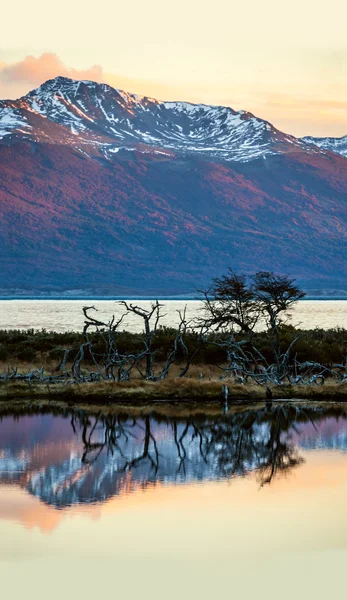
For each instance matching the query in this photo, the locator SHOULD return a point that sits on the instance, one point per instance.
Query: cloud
(16, 79)
(34, 71)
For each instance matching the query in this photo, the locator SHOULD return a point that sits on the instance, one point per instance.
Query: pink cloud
(34, 70)
(16, 79)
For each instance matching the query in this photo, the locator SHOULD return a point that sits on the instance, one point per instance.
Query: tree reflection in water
(231, 445)
(108, 454)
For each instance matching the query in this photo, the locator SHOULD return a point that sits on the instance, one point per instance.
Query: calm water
(66, 315)
(250, 504)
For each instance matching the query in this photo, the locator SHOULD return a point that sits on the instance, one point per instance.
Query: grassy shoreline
(28, 349)
(185, 391)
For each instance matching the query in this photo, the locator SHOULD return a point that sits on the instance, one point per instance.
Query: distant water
(66, 315)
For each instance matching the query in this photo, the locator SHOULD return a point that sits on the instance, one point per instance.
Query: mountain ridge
(115, 120)
(111, 210)
(333, 144)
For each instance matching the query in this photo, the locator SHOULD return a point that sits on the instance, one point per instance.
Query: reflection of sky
(197, 539)
(42, 455)
(329, 434)
(203, 536)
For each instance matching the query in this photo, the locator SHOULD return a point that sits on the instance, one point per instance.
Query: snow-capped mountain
(96, 117)
(338, 145)
(112, 193)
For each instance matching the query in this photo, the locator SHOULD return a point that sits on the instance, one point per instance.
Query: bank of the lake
(26, 352)
(188, 392)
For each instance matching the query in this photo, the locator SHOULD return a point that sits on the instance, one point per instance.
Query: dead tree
(151, 320)
(111, 360)
(276, 295)
(234, 306)
(178, 343)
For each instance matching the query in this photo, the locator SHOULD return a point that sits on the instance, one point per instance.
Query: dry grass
(200, 388)
(170, 390)
(165, 410)
(197, 371)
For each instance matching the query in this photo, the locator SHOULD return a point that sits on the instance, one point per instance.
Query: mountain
(109, 192)
(98, 118)
(338, 145)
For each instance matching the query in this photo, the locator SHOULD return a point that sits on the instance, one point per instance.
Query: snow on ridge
(10, 120)
(103, 114)
(186, 107)
(331, 144)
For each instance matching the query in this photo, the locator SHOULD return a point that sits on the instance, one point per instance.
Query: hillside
(108, 192)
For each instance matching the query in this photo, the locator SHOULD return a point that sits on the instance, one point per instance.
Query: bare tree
(111, 356)
(153, 315)
(276, 295)
(235, 306)
(178, 343)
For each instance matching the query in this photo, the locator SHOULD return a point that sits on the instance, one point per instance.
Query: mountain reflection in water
(71, 458)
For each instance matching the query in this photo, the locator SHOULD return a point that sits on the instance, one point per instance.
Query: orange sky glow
(314, 481)
(286, 63)
(202, 537)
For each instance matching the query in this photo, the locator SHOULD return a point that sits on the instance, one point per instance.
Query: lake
(66, 315)
(249, 504)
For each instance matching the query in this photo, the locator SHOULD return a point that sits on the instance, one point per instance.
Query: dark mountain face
(105, 191)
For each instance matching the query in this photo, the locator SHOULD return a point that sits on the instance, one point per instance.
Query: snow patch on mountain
(337, 145)
(98, 115)
(10, 120)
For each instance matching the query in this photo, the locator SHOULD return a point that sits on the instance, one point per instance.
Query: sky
(283, 61)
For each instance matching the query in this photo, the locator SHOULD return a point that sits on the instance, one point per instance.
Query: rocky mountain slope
(338, 145)
(96, 116)
(108, 192)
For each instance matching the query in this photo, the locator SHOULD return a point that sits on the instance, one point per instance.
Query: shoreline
(179, 298)
(160, 410)
(148, 394)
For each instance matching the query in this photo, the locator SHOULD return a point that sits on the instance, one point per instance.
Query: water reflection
(67, 459)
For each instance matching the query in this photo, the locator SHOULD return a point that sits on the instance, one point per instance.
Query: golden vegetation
(172, 389)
